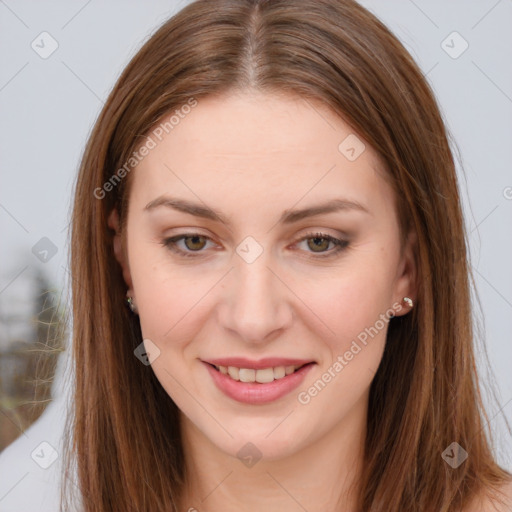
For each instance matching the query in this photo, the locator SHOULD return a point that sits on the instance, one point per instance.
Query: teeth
(263, 376)
(247, 375)
(234, 373)
(279, 372)
(289, 369)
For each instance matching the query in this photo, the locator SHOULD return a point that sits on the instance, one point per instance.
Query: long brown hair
(124, 431)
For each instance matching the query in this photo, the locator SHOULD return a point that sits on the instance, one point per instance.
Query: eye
(319, 243)
(194, 243)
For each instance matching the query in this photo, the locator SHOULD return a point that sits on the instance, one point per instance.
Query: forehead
(258, 149)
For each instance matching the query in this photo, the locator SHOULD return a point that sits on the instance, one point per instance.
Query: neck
(321, 476)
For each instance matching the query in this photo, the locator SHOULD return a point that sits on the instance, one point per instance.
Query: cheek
(171, 307)
(175, 299)
(357, 308)
(353, 299)
(168, 296)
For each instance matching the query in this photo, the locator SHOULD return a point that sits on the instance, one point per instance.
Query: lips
(268, 362)
(263, 371)
(257, 382)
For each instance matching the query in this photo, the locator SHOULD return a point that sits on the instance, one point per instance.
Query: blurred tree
(31, 340)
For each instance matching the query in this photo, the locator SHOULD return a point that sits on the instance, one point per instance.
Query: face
(260, 238)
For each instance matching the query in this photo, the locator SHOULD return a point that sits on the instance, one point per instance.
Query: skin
(252, 156)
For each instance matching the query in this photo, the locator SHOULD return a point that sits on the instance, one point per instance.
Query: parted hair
(124, 438)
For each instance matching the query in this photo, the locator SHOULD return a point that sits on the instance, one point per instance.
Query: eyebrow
(287, 217)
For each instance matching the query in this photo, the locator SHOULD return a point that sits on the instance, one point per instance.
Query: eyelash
(340, 244)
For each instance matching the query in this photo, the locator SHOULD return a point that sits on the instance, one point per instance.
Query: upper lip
(268, 362)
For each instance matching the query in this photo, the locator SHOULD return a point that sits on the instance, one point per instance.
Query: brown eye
(319, 244)
(197, 242)
(187, 245)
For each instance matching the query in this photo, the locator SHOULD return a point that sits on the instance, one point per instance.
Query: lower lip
(255, 393)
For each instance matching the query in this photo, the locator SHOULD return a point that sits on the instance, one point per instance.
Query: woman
(270, 189)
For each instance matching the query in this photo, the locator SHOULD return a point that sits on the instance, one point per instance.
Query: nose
(256, 303)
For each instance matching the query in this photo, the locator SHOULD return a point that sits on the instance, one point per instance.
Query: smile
(265, 382)
(263, 376)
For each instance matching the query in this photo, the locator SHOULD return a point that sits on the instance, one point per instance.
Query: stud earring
(408, 301)
(131, 303)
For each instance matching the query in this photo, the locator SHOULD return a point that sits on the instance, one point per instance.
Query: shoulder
(488, 504)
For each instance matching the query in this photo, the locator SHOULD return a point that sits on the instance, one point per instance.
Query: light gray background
(48, 107)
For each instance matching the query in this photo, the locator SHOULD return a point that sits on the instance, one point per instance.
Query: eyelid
(340, 242)
(171, 243)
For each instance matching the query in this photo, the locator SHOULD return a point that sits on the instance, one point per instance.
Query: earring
(131, 304)
(408, 301)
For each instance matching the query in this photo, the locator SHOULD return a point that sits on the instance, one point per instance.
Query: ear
(407, 272)
(120, 247)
